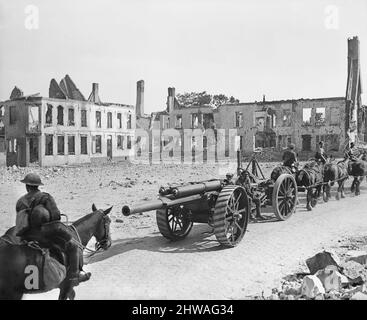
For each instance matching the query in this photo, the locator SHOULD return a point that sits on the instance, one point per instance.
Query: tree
(203, 98)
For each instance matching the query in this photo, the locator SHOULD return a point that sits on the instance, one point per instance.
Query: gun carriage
(224, 204)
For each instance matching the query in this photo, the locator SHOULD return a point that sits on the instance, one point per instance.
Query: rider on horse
(290, 157)
(320, 155)
(46, 228)
(352, 152)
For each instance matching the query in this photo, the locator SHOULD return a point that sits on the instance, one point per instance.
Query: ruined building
(275, 124)
(66, 128)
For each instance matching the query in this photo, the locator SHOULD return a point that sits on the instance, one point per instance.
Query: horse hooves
(309, 208)
(337, 197)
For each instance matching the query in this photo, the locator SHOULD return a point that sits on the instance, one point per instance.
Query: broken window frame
(83, 145)
(196, 120)
(71, 145)
(83, 118)
(109, 120)
(322, 120)
(334, 116)
(60, 115)
(98, 139)
(49, 144)
(60, 152)
(306, 147)
(48, 116)
(98, 119)
(208, 120)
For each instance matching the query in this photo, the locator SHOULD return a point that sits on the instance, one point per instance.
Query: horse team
(316, 177)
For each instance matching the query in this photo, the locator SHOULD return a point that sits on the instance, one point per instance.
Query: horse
(335, 172)
(357, 168)
(311, 178)
(16, 256)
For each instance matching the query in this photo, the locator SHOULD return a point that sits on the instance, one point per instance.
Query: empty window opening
(83, 145)
(129, 121)
(109, 120)
(12, 115)
(320, 116)
(71, 117)
(119, 120)
(60, 115)
(178, 121)
(60, 145)
(128, 142)
(98, 144)
(120, 142)
(306, 116)
(71, 144)
(98, 119)
(49, 114)
(306, 143)
(83, 118)
(49, 144)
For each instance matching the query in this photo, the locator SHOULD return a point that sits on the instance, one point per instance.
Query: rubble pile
(329, 279)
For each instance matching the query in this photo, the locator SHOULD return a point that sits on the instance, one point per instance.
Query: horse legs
(353, 186)
(309, 199)
(326, 192)
(66, 291)
(358, 183)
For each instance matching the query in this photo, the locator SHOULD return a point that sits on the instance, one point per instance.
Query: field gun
(219, 203)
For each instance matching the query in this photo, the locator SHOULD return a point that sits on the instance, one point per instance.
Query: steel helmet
(291, 146)
(32, 179)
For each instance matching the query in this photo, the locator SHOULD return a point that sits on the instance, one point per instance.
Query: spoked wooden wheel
(174, 223)
(284, 198)
(231, 215)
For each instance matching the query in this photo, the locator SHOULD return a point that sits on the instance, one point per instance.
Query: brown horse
(335, 172)
(16, 256)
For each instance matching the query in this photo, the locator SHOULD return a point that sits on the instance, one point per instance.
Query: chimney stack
(171, 99)
(94, 96)
(140, 98)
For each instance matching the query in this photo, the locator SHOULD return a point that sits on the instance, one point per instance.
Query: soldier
(351, 153)
(290, 157)
(320, 154)
(46, 227)
(244, 180)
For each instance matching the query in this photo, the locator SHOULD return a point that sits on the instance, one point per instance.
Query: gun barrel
(142, 207)
(197, 188)
(159, 204)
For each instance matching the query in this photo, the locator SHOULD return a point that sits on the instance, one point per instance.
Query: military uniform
(289, 158)
(51, 230)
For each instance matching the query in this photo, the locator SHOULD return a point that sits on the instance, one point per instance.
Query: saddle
(51, 266)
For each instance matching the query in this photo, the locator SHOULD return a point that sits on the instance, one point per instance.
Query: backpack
(22, 219)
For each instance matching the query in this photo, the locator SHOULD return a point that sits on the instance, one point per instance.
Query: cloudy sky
(245, 48)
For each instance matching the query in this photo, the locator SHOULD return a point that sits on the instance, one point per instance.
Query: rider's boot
(75, 276)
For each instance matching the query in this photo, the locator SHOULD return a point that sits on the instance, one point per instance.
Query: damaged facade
(66, 128)
(275, 124)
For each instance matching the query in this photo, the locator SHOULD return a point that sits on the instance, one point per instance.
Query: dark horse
(279, 170)
(357, 169)
(335, 172)
(311, 178)
(15, 256)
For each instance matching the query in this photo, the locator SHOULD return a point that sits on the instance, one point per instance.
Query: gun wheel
(174, 223)
(284, 198)
(231, 215)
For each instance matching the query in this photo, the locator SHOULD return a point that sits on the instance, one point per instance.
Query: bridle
(99, 244)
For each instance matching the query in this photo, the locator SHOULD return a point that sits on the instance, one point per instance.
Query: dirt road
(142, 264)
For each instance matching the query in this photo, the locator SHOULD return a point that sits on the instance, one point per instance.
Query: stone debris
(357, 256)
(329, 279)
(321, 260)
(312, 287)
